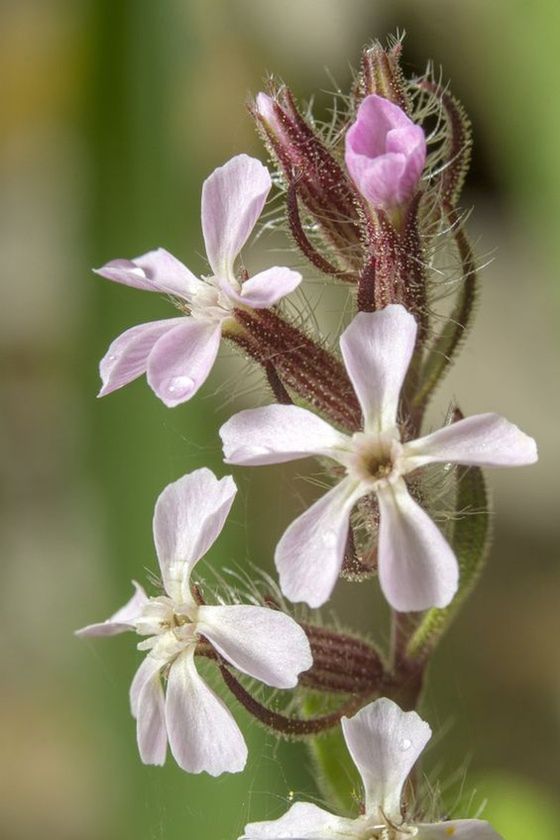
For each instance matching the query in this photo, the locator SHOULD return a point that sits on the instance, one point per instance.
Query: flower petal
(189, 515)
(168, 274)
(266, 288)
(457, 830)
(379, 180)
(127, 356)
(151, 733)
(484, 440)
(232, 200)
(127, 273)
(384, 743)
(261, 642)
(278, 433)
(122, 620)
(309, 556)
(182, 359)
(156, 271)
(377, 348)
(149, 667)
(301, 822)
(203, 735)
(417, 567)
(385, 152)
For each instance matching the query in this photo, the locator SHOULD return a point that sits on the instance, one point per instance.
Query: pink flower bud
(385, 153)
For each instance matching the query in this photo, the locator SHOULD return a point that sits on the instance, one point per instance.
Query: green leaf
(470, 542)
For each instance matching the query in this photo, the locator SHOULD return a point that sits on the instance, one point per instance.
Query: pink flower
(177, 354)
(261, 642)
(384, 743)
(417, 567)
(385, 153)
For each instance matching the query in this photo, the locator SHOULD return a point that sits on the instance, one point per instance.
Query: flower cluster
(369, 215)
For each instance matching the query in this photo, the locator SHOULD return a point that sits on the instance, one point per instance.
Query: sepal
(381, 74)
(307, 165)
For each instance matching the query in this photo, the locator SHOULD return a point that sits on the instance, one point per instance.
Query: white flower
(177, 354)
(384, 743)
(417, 567)
(261, 642)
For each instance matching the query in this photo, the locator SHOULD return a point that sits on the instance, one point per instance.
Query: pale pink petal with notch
(310, 553)
(483, 440)
(146, 670)
(127, 356)
(457, 830)
(155, 271)
(151, 732)
(127, 273)
(264, 289)
(168, 274)
(377, 348)
(261, 642)
(303, 822)
(417, 566)
(233, 197)
(384, 743)
(122, 620)
(203, 735)
(189, 515)
(275, 434)
(182, 359)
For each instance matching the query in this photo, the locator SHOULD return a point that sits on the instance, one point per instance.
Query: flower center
(391, 832)
(162, 615)
(378, 466)
(373, 457)
(211, 303)
(169, 627)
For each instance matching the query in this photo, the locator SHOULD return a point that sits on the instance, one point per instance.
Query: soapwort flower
(177, 354)
(417, 567)
(263, 643)
(385, 153)
(384, 743)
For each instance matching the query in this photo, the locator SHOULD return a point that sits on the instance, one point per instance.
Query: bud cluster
(368, 203)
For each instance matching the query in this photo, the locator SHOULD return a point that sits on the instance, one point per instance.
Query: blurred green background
(113, 113)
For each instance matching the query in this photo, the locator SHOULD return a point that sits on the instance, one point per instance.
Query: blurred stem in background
(142, 198)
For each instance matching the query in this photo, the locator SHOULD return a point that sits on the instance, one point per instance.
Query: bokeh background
(113, 112)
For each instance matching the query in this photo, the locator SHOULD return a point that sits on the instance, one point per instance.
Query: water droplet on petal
(406, 744)
(113, 357)
(181, 385)
(260, 450)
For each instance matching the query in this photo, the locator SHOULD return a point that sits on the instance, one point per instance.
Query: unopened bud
(321, 185)
(381, 73)
(385, 153)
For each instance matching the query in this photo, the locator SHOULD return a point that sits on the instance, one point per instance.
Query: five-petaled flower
(385, 153)
(177, 354)
(384, 743)
(417, 567)
(261, 642)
